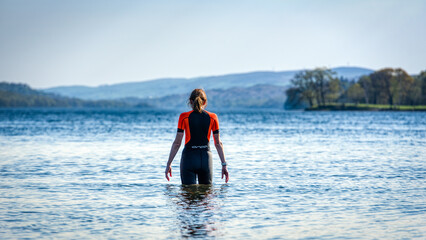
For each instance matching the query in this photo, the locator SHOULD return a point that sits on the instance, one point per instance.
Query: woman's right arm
(175, 148)
(219, 147)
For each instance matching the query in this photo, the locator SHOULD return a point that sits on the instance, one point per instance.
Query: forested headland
(385, 89)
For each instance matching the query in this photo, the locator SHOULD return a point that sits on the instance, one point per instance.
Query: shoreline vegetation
(365, 107)
(387, 89)
(312, 90)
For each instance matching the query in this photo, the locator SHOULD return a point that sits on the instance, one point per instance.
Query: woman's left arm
(175, 148)
(219, 147)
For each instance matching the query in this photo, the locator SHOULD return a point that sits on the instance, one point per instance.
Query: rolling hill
(175, 86)
(258, 96)
(22, 95)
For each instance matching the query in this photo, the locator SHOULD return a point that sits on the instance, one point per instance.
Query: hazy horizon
(49, 43)
(213, 75)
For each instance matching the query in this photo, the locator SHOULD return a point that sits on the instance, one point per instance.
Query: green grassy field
(365, 107)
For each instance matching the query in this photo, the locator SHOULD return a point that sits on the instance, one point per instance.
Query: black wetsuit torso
(196, 156)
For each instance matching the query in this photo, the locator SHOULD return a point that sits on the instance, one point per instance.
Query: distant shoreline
(365, 107)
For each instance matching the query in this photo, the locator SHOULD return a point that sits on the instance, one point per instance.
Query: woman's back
(198, 127)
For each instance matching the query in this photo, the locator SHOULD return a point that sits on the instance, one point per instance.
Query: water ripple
(99, 174)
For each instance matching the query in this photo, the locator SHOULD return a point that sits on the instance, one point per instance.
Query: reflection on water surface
(197, 208)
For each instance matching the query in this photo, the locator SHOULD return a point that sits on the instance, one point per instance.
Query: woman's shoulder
(211, 114)
(185, 114)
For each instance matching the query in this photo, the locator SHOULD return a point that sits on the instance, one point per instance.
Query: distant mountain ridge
(258, 96)
(159, 88)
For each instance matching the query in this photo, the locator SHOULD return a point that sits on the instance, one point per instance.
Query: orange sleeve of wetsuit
(183, 125)
(180, 123)
(215, 126)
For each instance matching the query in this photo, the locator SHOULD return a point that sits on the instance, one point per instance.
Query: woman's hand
(168, 170)
(225, 173)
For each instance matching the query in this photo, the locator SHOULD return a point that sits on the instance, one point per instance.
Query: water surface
(100, 174)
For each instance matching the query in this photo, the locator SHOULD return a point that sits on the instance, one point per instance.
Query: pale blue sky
(49, 43)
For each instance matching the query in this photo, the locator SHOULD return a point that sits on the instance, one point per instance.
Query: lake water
(97, 174)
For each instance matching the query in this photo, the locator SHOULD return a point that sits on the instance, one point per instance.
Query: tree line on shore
(388, 86)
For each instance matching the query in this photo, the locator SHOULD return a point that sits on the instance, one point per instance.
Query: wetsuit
(196, 158)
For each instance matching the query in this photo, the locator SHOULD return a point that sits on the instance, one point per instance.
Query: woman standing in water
(196, 158)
